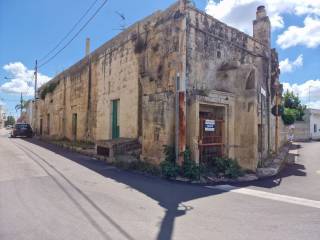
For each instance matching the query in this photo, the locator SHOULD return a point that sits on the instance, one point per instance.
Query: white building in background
(314, 123)
(309, 128)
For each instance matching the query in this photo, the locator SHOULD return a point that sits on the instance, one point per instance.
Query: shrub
(169, 169)
(49, 88)
(190, 169)
(233, 170)
(170, 153)
(226, 166)
(289, 116)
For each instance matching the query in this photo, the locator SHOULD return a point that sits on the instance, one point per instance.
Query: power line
(68, 34)
(77, 33)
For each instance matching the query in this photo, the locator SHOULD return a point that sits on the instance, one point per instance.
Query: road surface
(49, 193)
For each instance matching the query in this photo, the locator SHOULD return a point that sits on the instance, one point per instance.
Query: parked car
(9, 127)
(22, 130)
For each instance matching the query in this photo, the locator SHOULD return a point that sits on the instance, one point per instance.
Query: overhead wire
(71, 30)
(76, 34)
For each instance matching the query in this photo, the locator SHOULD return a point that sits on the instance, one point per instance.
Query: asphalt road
(49, 193)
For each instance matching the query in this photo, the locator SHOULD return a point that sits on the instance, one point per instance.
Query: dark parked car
(22, 130)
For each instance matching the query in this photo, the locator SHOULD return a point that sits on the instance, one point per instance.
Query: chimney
(262, 26)
(87, 46)
(261, 12)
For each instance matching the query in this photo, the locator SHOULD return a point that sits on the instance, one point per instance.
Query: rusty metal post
(182, 125)
(177, 117)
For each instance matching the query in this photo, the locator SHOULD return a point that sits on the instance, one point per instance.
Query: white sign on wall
(210, 125)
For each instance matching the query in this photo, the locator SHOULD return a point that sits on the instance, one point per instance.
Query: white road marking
(267, 195)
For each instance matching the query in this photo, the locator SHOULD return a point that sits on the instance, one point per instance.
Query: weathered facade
(162, 80)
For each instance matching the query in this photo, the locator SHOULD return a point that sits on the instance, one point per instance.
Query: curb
(262, 173)
(277, 164)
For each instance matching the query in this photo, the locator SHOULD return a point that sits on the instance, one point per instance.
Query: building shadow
(290, 169)
(170, 195)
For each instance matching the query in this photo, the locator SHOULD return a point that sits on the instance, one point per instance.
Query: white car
(9, 127)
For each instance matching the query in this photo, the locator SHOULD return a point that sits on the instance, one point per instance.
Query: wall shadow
(170, 195)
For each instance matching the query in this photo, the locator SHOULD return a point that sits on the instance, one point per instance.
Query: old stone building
(178, 77)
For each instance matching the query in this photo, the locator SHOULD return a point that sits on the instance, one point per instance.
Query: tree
(293, 109)
(21, 106)
(10, 121)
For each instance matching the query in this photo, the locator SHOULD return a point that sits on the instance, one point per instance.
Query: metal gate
(211, 141)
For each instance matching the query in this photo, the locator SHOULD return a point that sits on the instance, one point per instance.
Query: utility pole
(35, 81)
(35, 97)
(21, 103)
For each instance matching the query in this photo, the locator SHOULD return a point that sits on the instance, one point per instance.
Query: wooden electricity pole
(35, 81)
(35, 97)
(21, 105)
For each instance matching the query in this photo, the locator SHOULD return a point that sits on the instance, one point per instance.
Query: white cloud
(302, 90)
(308, 35)
(22, 79)
(240, 13)
(288, 66)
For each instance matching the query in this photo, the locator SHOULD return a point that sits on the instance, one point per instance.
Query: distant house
(314, 116)
(309, 128)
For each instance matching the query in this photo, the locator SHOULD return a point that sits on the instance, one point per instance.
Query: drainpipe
(180, 139)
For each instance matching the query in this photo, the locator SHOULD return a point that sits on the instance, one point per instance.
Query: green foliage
(48, 88)
(289, 116)
(290, 100)
(170, 153)
(21, 106)
(169, 169)
(10, 121)
(226, 167)
(293, 109)
(190, 169)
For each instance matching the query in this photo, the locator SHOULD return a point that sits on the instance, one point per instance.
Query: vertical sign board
(210, 125)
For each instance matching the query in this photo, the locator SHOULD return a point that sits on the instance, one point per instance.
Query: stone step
(111, 148)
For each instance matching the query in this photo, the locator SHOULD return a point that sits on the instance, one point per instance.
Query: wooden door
(115, 119)
(211, 138)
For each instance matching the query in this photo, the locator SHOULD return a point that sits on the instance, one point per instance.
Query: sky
(30, 29)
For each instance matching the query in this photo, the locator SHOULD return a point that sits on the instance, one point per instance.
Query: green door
(74, 126)
(115, 120)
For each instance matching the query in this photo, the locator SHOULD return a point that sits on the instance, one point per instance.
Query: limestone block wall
(224, 59)
(138, 67)
(117, 71)
(159, 65)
